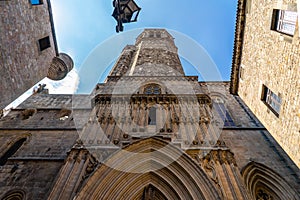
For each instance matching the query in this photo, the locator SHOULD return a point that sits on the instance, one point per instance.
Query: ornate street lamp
(125, 11)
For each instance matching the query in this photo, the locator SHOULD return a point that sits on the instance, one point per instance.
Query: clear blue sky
(82, 25)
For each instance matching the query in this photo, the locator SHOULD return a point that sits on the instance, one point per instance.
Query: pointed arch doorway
(151, 172)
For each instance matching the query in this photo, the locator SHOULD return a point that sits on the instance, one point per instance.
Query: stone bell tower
(146, 89)
(154, 54)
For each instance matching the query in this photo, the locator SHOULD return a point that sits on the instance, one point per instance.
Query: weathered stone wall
(272, 59)
(250, 142)
(51, 126)
(155, 55)
(34, 167)
(22, 64)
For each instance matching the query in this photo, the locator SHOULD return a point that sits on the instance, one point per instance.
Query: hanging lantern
(126, 11)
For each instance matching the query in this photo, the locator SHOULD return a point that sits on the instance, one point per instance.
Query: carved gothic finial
(219, 143)
(220, 156)
(79, 144)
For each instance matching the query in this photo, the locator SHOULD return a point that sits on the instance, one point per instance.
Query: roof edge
(238, 46)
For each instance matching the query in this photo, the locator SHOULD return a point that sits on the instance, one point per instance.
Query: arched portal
(149, 165)
(264, 183)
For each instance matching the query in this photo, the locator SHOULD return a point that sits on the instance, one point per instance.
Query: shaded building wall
(269, 58)
(47, 125)
(253, 145)
(34, 167)
(22, 62)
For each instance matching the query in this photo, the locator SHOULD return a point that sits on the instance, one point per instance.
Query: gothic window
(36, 2)
(44, 43)
(284, 21)
(11, 151)
(219, 106)
(152, 116)
(152, 89)
(272, 100)
(151, 34)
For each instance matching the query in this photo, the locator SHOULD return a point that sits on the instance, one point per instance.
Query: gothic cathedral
(148, 132)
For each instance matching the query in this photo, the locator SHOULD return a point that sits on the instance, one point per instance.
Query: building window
(44, 43)
(36, 2)
(242, 73)
(272, 100)
(248, 6)
(11, 151)
(284, 21)
(219, 106)
(152, 116)
(151, 34)
(152, 89)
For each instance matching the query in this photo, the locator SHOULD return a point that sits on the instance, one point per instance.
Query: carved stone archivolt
(264, 183)
(140, 170)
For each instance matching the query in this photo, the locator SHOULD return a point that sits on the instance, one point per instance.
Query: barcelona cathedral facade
(148, 132)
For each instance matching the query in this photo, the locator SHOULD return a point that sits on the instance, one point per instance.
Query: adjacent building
(28, 47)
(266, 67)
(148, 132)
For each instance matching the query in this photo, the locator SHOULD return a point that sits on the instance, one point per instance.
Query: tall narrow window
(248, 6)
(158, 35)
(44, 43)
(242, 73)
(36, 2)
(152, 116)
(284, 21)
(11, 151)
(272, 100)
(219, 106)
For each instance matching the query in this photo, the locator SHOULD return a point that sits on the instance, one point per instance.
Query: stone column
(220, 165)
(79, 164)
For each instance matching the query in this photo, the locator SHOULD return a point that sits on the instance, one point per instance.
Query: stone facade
(143, 134)
(267, 57)
(22, 62)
